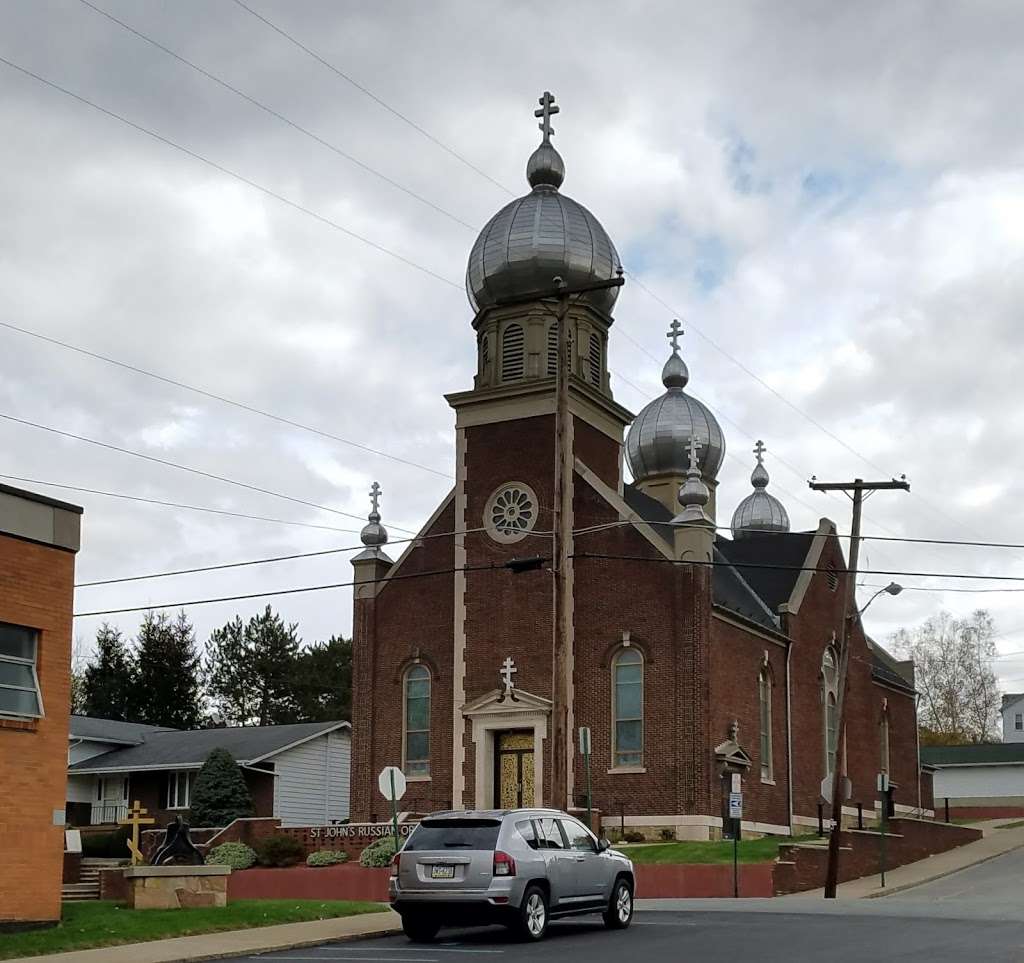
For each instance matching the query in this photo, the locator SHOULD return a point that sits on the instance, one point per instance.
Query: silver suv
(520, 867)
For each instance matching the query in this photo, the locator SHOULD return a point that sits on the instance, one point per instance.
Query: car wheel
(419, 928)
(620, 907)
(533, 914)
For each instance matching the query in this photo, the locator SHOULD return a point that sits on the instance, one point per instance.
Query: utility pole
(855, 490)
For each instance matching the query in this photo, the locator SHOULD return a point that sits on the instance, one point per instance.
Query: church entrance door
(513, 769)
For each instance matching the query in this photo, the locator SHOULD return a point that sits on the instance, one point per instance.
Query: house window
(628, 706)
(19, 683)
(1018, 721)
(512, 359)
(764, 684)
(884, 747)
(416, 744)
(829, 693)
(179, 790)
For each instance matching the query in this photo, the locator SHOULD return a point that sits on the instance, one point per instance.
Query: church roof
(731, 589)
(787, 550)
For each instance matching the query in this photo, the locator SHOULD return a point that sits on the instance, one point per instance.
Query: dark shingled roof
(993, 753)
(1009, 698)
(785, 549)
(110, 730)
(730, 588)
(181, 750)
(887, 668)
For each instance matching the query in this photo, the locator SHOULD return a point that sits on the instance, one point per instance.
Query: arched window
(628, 705)
(512, 357)
(416, 739)
(764, 686)
(883, 734)
(829, 698)
(594, 359)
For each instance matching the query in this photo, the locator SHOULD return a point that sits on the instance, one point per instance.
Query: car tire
(532, 923)
(419, 927)
(619, 913)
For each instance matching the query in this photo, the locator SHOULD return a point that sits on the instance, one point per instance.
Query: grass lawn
(91, 924)
(1014, 825)
(750, 850)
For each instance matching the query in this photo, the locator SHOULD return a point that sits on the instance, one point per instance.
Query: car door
(587, 868)
(558, 861)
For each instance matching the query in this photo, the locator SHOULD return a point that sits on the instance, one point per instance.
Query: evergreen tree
(323, 687)
(167, 693)
(251, 673)
(220, 794)
(106, 685)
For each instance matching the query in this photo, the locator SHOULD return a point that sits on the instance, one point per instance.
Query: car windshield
(454, 834)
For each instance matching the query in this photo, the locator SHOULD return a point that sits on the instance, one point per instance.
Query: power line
(185, 468)
(270, 110)
(230, 173)
(221, 398)
(369, 93)
(166, 504)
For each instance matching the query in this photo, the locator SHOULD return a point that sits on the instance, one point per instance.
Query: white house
(983, 780)
(1013, 717)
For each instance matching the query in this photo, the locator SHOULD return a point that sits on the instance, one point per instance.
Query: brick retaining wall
(304, 882)
(802, 867)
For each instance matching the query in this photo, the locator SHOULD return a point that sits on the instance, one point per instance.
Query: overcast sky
(832, 194)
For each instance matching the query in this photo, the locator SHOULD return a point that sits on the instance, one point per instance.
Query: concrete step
(72, 892)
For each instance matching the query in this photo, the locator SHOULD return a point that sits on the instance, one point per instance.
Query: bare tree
(959, 696)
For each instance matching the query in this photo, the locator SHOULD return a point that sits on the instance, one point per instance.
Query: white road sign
(737, 782)
(585, 740)
(391, 776)
(826, 788)
(735, 805)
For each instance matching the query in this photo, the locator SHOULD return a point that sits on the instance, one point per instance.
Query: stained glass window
(417, 721)
(628, 699)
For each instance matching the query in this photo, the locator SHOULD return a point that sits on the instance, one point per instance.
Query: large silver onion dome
(658, 442)
(759, 511)
(540, 236)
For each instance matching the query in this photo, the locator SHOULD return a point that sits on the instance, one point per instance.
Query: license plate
(442, 872)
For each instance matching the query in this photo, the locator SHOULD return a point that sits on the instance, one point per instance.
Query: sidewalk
(994, 843)
(215, 946)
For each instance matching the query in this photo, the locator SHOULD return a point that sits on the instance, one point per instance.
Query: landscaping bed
(715, 852)
(92, 924)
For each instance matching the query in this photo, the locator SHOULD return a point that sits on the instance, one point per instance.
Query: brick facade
(36, 591)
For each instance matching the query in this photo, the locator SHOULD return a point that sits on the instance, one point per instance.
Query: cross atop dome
(547, 108)
(759, 450)
(675, 334)
(375, 493)
(694, 447)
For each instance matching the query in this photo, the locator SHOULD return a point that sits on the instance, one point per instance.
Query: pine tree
(228, 674)
(220, 794)
(324, 681)
(106, 684)
(167, 693)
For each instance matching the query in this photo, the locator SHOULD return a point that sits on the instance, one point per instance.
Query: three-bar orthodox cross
(136, 817)
(675, 334)
(694, 447)
(508, 669)
(375, 493)
(547, 108)
(759, 450)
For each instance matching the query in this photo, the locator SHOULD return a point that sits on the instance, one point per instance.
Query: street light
(893, 588)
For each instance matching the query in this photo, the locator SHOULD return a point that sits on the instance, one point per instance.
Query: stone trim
(459, 625)
(826, 528)
(416, 542)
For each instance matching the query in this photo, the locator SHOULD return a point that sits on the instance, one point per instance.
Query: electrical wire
(185, 468)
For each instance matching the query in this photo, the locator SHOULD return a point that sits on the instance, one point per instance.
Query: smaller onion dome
(759, 511)
(659, 438)
(374, 535)
(693, 494)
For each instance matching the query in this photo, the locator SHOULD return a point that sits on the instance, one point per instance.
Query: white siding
(311, 787)
(81, 789)
(973, 782)
(1010, 731)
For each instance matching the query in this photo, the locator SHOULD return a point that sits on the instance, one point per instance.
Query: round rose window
(511, 512)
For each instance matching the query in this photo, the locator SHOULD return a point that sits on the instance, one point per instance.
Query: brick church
(693, 650)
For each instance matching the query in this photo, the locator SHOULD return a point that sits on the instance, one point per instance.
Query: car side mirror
(603, 844)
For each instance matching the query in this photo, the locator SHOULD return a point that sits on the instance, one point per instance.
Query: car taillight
(504, 865)
(394, 865)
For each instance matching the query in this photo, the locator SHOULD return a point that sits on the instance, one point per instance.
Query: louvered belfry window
(553, 349)
(512, 359)
(595, 359)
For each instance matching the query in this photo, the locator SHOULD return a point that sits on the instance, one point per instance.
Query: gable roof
(788, 550)
(887, 668)
(989, 753)
(112, 730)
(173, 749)
(1009, 699)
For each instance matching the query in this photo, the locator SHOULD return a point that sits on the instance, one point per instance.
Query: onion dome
(759, 511)
(374, 535)
(540, 236)
(658, 441)
(693, 493)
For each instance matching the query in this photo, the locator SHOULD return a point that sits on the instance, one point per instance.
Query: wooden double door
(513, 769)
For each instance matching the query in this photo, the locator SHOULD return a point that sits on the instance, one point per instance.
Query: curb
(72, 956)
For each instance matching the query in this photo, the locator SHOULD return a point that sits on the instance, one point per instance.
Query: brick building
(691, 655)
(38, 541)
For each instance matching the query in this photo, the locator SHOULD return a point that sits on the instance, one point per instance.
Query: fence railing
(108, 812)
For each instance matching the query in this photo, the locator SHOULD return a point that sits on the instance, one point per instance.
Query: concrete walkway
(215, 946)
(994, 843)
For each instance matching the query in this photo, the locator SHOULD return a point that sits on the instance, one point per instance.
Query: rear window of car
(454, 834)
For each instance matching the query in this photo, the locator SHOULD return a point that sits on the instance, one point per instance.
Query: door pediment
(499, 702)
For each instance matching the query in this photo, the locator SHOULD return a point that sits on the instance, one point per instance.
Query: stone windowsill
(19, 724)
(767, 782)
(627, 770)
(137, 872)
(417, 778)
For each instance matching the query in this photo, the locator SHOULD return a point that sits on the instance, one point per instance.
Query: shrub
(667, 834)
(235, 855)
(279, 851)
(113, 845)
(326, 857)
(378, 853)
(634, 837)
(220, 794)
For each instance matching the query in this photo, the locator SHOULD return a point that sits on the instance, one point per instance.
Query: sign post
(391, 783)
(736, 815)
(585, 749)
(883, 789)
